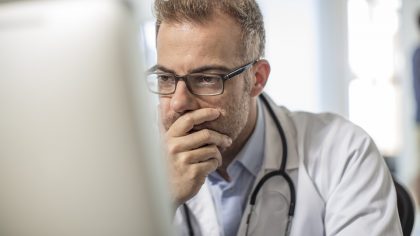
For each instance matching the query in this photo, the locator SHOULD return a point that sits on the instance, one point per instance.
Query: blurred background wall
(351, 57)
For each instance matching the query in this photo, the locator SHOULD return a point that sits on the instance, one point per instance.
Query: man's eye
(207, 79)
(164, 78)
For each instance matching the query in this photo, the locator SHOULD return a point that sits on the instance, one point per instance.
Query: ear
(261, 72)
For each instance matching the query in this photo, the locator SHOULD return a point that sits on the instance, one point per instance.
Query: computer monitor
(78, 152)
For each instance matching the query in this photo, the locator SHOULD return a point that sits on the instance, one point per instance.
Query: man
(221, 139)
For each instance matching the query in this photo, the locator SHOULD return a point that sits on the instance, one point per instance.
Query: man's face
(186, 47)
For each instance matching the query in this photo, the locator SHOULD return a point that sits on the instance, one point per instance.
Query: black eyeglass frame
(228, 76)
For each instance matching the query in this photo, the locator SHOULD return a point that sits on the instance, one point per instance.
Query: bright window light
(374, 91)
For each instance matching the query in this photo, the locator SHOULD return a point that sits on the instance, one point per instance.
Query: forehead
(183, 46)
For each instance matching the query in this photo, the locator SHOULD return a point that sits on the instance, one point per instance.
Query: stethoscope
(280, 172)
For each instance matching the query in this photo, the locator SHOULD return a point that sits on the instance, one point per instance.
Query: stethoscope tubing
(280, 172)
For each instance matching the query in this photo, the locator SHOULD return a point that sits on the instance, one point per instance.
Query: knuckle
(173, 148)
(207, 134)
(188, 119)
(185, 157)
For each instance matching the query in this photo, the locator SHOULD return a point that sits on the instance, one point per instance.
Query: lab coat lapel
(270, 213)
(202, 205)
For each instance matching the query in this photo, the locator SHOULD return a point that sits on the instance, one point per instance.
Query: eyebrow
(200, 69)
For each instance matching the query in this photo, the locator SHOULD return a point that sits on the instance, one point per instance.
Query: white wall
(306, 46)
(291, 49)
(334, 72)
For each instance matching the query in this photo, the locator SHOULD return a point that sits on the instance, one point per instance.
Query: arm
(360, 197)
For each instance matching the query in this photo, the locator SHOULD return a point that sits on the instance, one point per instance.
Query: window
(374, 91)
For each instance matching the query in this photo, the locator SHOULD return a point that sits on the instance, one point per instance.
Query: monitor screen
(78, 151)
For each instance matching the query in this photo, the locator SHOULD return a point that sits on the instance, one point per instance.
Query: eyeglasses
(197, 83)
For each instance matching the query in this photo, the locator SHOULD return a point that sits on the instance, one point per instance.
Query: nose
(183, 100)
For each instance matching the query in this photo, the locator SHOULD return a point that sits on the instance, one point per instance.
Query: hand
(192, 156)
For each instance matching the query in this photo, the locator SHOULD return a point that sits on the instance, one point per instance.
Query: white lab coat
(342, 184)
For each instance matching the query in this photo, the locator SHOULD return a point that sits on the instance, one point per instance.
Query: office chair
(406, 209)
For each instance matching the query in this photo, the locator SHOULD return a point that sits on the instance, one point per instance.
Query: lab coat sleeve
(359, 193)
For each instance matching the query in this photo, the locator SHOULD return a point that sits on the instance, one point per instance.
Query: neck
(230, 153)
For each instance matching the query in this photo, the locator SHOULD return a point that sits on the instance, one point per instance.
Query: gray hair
(245, 12)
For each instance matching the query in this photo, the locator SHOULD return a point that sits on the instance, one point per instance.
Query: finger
(206, 167)
(201, 155)
(186, 122)
(199, 139)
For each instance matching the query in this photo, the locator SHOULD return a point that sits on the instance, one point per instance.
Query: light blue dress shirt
(231, 197)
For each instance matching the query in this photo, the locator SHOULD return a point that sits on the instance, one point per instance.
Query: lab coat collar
(273, 147)
(208, 220)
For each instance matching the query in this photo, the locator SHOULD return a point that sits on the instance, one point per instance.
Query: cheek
(229, 106)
